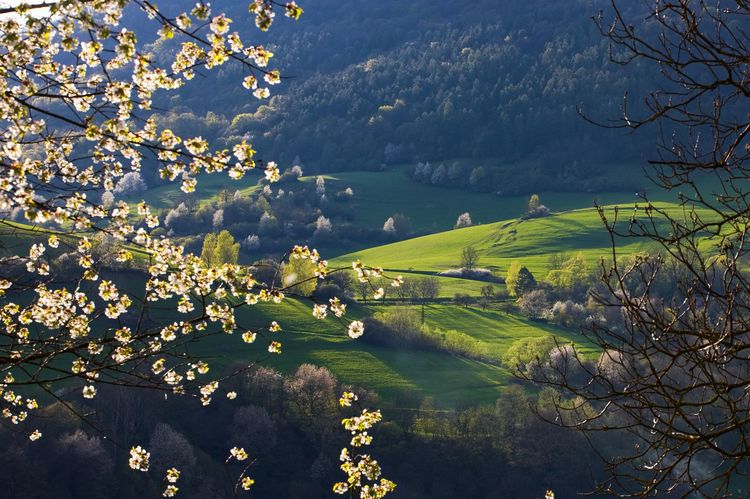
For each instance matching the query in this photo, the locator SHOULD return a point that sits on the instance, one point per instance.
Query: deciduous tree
(426, 289)
(469, 258)
(78, 89)
(219, 249)
(672, 379)
(519, 280)
(464, 220)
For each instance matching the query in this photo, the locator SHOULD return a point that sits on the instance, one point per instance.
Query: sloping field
(209, 186)
(530, 241)
(451, 381)
(379, 195)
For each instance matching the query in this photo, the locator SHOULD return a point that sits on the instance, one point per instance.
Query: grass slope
(449, 286)
(379, 195)
(209, 186)
(451, 381)
(499, 329)
(530, 241)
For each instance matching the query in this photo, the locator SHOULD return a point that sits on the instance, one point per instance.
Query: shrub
(464, 220)
(389, 226)
(538, 212)
(218, 219)
(568, 313)
(463, 299)
(345, 195)
(251, 242)
(130, 183)
(525, 354)
(534, 304)
(323, 225)
(175, 215)
(478, 274)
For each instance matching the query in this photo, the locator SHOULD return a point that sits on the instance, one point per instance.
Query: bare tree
(404, 291)
(311, 391)
(488, 294)
(469, 258)
(253, 426)
(364, 289)
(425, 290)
(170, 448)
(672, 379)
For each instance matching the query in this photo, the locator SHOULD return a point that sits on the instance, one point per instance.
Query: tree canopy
(219, 249)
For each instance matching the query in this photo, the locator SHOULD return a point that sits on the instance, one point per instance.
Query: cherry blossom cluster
(362, 471)
(76, 114)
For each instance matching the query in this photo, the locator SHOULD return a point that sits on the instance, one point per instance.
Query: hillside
(398, 374)
(430, 208)
(380, 99)
(381, 194)
(531, 241)
(407, 373)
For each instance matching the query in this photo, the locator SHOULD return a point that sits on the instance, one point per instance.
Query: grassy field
(498, 330)
(530, 241)
(16, 239)
(451, 381)
(449, 286)
(378, 195)
(209, 186)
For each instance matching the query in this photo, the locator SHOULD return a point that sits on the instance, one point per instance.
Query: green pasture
(530, 241)
(449, 286)
(451, 381)
(208, 188)
(498, 330)
(379, 195)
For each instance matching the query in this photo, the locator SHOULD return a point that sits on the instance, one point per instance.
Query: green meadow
(448, 379)
(379, 195)
(209, 186)
(530, 241)
(451, 381)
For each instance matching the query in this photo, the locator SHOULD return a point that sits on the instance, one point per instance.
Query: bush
(130, 183)
(526, 354)
(534, 304)
(478, 274)
(464, 220)
(568, 313)
(327, 290)
(538, 212)
(251, 242)
(463, 299)
(345, 195)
